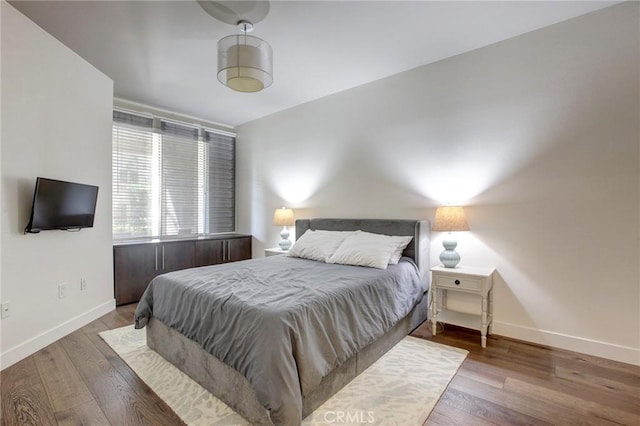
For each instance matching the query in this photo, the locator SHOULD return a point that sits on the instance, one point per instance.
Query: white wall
(56, 123)
(538, 135)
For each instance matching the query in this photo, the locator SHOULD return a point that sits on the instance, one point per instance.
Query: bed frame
(234, 389)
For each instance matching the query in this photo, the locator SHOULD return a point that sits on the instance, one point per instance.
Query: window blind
(182, 180)
(174, 179)
(132, 176)
(221, 160)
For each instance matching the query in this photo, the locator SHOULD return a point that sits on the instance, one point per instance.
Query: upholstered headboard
(418, 249)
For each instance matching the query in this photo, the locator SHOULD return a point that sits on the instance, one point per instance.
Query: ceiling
(163, 54)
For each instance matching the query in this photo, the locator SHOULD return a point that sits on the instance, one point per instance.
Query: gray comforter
(284, 323)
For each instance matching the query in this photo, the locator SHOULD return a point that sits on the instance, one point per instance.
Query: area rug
(401, 388)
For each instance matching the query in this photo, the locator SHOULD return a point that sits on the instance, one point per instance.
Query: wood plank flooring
(79, 380)
(513, 382)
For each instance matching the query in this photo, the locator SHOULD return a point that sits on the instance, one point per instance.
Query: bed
(282, 335)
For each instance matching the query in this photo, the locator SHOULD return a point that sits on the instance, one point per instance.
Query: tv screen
(62, 205)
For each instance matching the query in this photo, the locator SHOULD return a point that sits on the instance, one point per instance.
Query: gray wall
(56, 123)
(537, 135)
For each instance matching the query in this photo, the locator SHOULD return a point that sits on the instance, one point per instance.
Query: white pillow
(318, 245)
(367, 249)
(404, 242)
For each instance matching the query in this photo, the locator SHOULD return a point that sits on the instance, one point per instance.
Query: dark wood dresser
(135, 264)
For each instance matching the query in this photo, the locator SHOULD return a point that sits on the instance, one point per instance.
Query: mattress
(284, 323)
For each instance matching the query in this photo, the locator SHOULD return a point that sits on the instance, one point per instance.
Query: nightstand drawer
(464, 279)
(459, 282)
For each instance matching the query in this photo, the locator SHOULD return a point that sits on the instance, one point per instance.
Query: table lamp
(284, 217)
(449, 219)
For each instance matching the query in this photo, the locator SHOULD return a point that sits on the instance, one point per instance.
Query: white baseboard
(611, 351)
(23, 350)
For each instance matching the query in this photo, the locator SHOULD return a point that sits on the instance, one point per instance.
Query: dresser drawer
(459, 282)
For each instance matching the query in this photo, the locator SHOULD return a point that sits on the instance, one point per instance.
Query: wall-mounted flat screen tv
(62, 205)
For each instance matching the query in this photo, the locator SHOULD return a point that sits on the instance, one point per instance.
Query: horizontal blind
(182, 180)
(121, 118)
(132, 176)
(170, 178)
(221, 189)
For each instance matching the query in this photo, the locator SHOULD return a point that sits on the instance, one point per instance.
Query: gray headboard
(418, 249)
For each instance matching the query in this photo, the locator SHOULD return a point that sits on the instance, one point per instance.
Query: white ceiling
(163, 54)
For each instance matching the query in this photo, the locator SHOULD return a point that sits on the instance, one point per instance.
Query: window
(170, 178)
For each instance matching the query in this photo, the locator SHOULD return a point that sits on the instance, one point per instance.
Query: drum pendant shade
(245, 63)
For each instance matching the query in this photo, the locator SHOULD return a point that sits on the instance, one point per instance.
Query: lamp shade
(245, 63)
(283, 217)
(450, 218)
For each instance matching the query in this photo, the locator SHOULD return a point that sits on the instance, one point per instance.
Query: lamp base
(449, 257)
(285, 243)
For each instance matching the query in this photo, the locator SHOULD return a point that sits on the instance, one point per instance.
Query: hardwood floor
(512, 383)
(79, 380)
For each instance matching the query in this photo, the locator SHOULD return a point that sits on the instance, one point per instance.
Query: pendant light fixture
(245, 63)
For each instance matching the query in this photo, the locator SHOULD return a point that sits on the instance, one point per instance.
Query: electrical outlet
(83, 284)
(5, 310)
(62, 290)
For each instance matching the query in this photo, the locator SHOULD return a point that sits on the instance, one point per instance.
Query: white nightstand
(274, 251)
(464, 279)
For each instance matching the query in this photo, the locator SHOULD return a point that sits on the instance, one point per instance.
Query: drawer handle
(457, 282)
